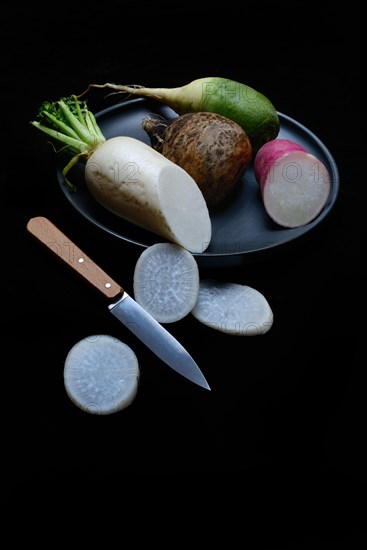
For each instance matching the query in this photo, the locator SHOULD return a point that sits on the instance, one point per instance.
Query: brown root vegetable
(214, 150)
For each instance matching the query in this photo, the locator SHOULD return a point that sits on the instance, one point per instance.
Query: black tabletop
(286, 415)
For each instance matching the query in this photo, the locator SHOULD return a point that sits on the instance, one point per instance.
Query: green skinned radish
(254, 112)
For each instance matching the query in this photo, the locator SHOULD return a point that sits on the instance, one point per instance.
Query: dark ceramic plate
(241, 229)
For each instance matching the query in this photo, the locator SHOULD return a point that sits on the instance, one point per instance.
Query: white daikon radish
(101, 374)
(166, 281)
(128, 177)
(232, 308)
(294, 184)
(139, 184)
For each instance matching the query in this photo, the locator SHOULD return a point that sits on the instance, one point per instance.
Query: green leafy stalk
(69, 122)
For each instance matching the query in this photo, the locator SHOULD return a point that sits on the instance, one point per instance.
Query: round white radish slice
(101, 374)
(294, 184)
(166, 281)
(232, 308)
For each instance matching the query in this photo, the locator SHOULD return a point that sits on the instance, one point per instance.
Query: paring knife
(122, 306)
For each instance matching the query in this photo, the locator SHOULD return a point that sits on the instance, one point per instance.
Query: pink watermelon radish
(294, 184)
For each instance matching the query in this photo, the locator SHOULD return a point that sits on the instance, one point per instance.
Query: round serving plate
(241, 228)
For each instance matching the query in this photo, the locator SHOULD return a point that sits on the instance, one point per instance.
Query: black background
(279, 441)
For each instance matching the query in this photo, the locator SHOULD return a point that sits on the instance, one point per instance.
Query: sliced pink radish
(294, 184)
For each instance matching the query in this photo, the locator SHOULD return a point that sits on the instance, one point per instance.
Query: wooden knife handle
(48, 234)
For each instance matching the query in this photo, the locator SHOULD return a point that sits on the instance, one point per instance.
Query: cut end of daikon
(184, 209)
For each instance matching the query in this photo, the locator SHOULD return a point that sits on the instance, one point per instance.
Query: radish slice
(232, 308)
(294, 184)
(166, 281)
(101, 374)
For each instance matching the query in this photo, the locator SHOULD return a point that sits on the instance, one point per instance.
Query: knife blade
(122, 306)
